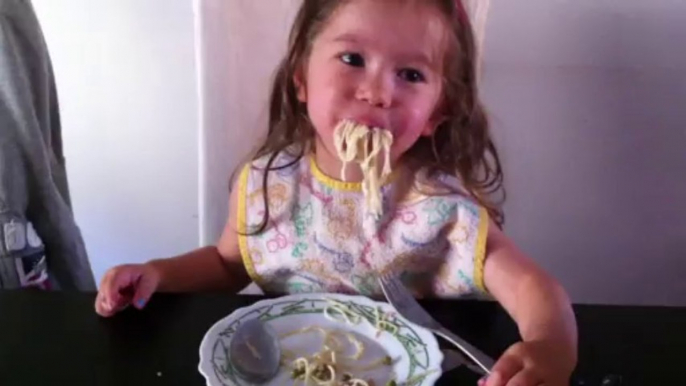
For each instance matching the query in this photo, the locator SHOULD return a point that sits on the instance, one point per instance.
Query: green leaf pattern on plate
(412, 343)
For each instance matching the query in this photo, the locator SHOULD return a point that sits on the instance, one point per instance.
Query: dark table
(57, 339)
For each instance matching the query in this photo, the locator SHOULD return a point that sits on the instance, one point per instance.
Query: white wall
(587, 99)
(126, 77)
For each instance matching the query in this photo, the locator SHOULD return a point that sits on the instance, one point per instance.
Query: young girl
(407, 67)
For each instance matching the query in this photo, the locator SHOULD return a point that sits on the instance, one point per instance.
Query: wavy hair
(461, 145)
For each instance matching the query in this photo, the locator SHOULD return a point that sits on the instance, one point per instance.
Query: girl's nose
(376, 90)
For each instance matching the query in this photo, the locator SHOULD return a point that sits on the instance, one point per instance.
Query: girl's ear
(438, 117)
(429, 129)
(433, 124)
(300, 87)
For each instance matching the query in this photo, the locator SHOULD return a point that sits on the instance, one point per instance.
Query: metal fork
(406, 305)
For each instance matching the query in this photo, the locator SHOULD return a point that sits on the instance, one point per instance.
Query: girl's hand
(125, 285)
(531, 364)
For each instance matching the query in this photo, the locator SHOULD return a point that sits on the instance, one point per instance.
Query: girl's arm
(205, 269)
(217, 267)
(543, 313)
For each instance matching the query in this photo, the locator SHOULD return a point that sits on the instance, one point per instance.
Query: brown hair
(461, 145)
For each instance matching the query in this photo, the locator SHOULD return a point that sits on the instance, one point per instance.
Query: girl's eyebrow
(347, 38)
(420, 58)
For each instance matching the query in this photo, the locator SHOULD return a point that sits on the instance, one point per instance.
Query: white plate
(414, 349)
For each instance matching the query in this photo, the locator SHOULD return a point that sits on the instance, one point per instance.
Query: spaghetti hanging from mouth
(365, 146)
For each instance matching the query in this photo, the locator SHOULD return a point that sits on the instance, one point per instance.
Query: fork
(406, 305)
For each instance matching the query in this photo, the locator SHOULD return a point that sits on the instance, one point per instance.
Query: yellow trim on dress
(480, 250)
(332, 182)
(243, 224)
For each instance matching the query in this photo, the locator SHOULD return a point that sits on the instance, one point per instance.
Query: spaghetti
(333, 365)
(363, 145)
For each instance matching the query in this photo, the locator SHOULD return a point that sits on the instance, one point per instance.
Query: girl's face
(379, 63)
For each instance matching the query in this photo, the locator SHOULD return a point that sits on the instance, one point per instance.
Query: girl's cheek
(342, 84)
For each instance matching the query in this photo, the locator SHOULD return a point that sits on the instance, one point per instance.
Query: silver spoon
(254, 352)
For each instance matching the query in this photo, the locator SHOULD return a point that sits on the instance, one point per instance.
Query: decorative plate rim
(205, 365)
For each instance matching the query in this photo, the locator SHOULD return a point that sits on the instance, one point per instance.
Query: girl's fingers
(506, 368)
(110, 289)
(145, 287)
(525, 378)
(112, 296)
(101, 307)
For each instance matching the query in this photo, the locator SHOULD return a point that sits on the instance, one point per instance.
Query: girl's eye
(411, 75)
(352, 59)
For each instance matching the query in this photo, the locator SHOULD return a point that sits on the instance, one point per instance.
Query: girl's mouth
(369, 121)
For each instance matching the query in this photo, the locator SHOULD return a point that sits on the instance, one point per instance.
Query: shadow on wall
(587, 105)
(237, 60)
